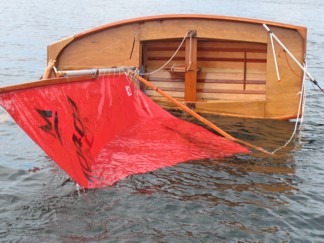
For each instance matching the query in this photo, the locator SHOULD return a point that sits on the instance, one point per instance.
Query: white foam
(4, 117)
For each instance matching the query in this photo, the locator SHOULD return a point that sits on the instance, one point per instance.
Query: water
(243, 198)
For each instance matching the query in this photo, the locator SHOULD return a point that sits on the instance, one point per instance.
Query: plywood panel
(220, 74)
(162, 85)
(103, 49)
(240, 108)
(282, 98)
(229, 97)
(221, 29)
(220, 86)
(154, 94)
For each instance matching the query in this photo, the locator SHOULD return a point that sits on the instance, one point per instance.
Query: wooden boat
(93, 122)
(214, 64)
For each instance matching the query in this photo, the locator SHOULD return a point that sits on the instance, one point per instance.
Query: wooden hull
(225, 65)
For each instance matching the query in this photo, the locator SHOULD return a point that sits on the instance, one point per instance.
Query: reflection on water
(197, 200)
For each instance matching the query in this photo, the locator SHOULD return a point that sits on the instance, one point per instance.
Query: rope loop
(171, 58)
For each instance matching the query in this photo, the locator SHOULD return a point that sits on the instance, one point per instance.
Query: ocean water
(246, 198)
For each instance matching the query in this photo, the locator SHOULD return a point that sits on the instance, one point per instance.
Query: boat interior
(206, 69)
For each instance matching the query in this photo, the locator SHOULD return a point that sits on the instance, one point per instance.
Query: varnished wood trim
(211, 59)
(224, 59)
(165, 58)
(171, 89)
(188, 16)
(215, 49)
(231, 91)
(218, 91)
(245, 67)
(216, 81)
(191, 66)
(231, 81)
(164, 48)
(169, 80)
(45, 82)
(211, 49)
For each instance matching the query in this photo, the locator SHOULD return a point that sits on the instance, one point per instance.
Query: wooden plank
(102, 50)
(231, 81)
(245, 66)
(231, 91)
(226, 68)
(221, 54)
(255, 108)
(211, 97)
(167, 80)
(219, 49)
(191, 64)
(153, 93)
(255, 87)
(191, 18)
(164, 58)
(224, 59)
(165, 49)
(220, 86)
(167, 85)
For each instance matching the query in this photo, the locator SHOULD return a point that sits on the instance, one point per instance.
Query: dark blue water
(242, 198)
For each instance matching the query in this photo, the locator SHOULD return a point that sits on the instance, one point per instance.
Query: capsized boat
(214, 64)
(92, 118)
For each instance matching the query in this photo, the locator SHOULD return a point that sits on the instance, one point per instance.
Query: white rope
(304, 99)
(291, 55)
(165, 64)
(190, 53)
(300, 114)
(274, 55)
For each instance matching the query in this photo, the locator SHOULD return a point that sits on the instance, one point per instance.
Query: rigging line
(167, 62)
(291, 69)
(132, 50)
(190, 52)
(275, 56)
(293, 58)
(304, 100)
(300, 115)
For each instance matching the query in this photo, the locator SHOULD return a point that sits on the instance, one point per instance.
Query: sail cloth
(102, 130)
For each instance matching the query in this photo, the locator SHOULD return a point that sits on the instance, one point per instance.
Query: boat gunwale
(185, 16)
(60, 45)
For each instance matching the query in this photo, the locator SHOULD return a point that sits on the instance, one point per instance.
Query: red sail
(102, 130)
